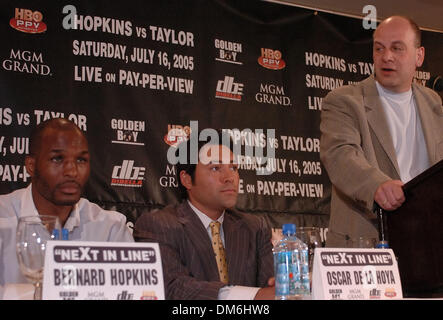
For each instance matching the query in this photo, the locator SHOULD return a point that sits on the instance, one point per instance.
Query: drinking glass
(311, 237)
(362, 242)
(32, 234)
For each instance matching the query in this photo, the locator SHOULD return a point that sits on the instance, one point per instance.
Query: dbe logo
(374, 294)
(228, 89)
(127, 175)
(125, 295)
(271, 59)
(28, 21)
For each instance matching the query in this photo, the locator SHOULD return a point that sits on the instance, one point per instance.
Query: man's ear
(185, 179)
(30, 165)
(420, 57)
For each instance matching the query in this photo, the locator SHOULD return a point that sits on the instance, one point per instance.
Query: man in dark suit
(192, 268)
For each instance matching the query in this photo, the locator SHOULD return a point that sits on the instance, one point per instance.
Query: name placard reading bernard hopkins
(77, 270)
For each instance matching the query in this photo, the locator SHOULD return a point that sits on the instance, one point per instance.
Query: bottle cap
(382, 245)
(65, 234)
(288, 229)
(55, 234)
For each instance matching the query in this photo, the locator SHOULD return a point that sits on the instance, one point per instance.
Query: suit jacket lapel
(199, 237)
(427, 118)
(377, 120)
(237, 244)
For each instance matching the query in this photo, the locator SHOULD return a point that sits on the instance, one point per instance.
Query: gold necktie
(219, 251)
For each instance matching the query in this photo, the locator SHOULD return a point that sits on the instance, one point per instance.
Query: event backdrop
(138, 76)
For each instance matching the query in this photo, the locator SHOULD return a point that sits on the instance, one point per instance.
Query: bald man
(379, 133)
(58, 163)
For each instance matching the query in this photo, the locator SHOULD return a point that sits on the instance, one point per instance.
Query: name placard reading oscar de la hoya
(355, 274)
(77, 270)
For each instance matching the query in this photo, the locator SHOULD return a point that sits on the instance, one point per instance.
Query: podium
(415, 233)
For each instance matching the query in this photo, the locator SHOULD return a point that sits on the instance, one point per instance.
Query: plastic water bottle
(291, 266)
(304, 288)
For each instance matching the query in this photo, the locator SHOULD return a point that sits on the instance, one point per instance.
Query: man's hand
(389, 195)
(267, 293)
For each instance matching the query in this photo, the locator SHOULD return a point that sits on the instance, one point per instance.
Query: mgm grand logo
(25, 61)
(272, 94)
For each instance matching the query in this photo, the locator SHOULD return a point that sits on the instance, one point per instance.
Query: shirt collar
(391, 94)
(74, 218)
(204, 218)
(28, 209)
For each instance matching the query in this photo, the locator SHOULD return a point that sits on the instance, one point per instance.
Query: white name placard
(355, 274)
(78, 270)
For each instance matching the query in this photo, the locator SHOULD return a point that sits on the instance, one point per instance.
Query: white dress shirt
(227, 292)
(86, 222)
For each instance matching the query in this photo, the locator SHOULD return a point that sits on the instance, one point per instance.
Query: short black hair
(186, 164)
(54, 123)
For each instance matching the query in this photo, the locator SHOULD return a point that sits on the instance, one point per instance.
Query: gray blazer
(357, 151)
(189, 266)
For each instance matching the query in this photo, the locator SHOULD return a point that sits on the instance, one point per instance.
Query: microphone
(435, 83)
(382, 227)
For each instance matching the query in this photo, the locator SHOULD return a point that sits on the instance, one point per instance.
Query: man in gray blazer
(190, 269)
(379, 133)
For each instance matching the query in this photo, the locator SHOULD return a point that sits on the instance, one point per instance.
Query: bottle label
(281, 274)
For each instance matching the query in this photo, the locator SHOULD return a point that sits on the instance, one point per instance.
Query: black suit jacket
(189, 266)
